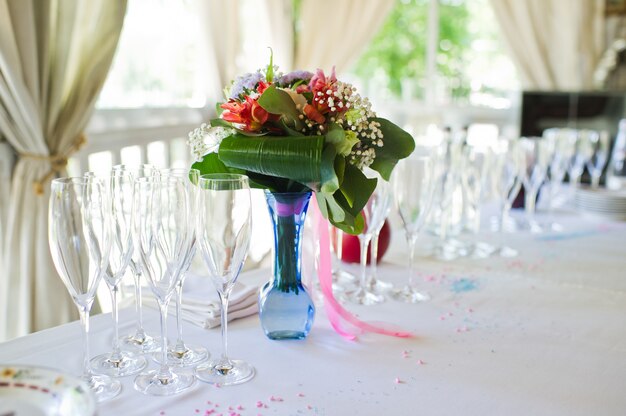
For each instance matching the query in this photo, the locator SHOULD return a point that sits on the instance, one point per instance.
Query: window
(159, 61)
(470, 65)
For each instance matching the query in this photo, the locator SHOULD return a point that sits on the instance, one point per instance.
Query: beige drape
(337, 32)
(279, 14)
(555, 44)
(220, 26)
(54, 58)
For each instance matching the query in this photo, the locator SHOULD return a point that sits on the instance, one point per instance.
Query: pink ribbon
(336, 313)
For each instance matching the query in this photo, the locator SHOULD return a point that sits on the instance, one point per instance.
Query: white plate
(39, 391)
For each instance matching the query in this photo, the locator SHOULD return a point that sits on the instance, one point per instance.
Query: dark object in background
(595, 110)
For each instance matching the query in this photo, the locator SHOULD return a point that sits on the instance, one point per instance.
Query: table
(541, 334)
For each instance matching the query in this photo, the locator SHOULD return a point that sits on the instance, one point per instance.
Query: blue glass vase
(285, 308)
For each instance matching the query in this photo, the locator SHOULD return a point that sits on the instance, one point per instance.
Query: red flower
(323, 89)
(312, 113)
(248, 114)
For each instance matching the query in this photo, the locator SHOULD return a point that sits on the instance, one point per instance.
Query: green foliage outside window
(399, 48)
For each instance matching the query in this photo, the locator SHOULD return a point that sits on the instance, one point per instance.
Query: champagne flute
(182, 354)
(598, 153)
(374, 213)
(138, 339)
(162, 232)
(119, 363)
(80, 243)
(223, 234)
(508, 172)
(413, 190)
(535, 153)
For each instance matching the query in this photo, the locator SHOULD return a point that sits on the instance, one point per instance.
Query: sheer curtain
(54, 58)
(556, 44)
(336, 32)
(221, 42)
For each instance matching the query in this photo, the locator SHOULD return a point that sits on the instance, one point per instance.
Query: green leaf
(356, 189)
(398, 144)
(342, 140)
(296, 158)
(218, 109)
(211, 163)
(330, 181)
(277, 101)
(218, 122)
(269, 74)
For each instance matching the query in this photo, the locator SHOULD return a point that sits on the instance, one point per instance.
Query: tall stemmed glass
(119, 363)
(598, 153)
(374, 213)
(162, 231)
(223, 234)
(578, 142)
(182, 354)
(536, 156)
(508, 173)
(80, 243)
(138, 339)
(562, 143)
(413, 190)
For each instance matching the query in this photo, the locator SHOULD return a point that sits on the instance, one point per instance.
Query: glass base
(151, 383)
(234, 372)
(507, 252)
(410, 295)
(280, 335)
(125, 364)
(140, 341)
(190, 356)
(380, 286)
(103, 387)
(364, 297)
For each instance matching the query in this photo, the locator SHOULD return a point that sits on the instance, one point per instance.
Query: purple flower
(245, 83)
(291, 77)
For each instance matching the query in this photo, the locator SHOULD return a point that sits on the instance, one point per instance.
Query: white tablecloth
(542, 334)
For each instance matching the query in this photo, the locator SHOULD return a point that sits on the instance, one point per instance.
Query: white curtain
(280, 21)
(337, 32)
(556, 44)
(220, 26)
(54, 58)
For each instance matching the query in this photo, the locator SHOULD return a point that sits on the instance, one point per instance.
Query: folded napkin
(201, 304)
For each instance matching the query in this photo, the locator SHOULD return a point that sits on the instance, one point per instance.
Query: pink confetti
(300, 394)
(421, 362)
(442, 318)
(449, 313)
(162, 412)
(470, 310)
(458, 330)
(308, 406)
(276, 399)
(397, 381)
(239, 407)
(208, 402)
(197, 410)
(231, 408)
(429, 278)
(259, 404)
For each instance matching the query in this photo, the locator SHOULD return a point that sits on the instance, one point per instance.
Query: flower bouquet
(294, 134)
(302, 132)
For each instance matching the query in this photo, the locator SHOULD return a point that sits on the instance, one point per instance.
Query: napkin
(201, 304)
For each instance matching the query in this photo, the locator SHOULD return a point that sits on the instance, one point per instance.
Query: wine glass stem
(224, 322)
(364, 240)
(595, 181)
(374, 257)
(164, 371)
(531, 195)
(412, 240)
(138, 303)
(180, 345)
(114, 289)
(84, 320)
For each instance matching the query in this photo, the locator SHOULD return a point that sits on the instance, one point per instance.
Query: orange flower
(247, 114)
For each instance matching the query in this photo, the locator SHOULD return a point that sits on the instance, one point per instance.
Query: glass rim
(148, 180)
(224, 177)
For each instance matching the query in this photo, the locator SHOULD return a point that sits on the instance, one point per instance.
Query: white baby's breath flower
(206, 139)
